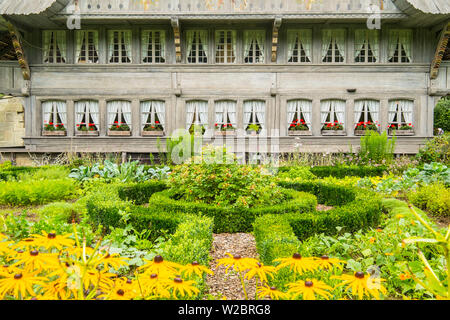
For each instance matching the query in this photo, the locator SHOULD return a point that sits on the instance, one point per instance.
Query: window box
(334, 133)
(300, 133)
(57, 133)
(225, 133)
(409, 132)
(118, 133)
(86, 133)
(156, 133)
(362, 132)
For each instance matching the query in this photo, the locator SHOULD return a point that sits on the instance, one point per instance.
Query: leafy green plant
(442, 114)
(435, 198)
(377, 147)
(436, 150)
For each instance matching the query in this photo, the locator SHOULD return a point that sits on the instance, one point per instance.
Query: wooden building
(153, 66)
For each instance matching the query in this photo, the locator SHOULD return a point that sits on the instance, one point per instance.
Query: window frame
(401, 112)
(54, 114)
(225, 44)
(163, 46)
(332, 114)
(225, 114)
(399, 47)
(207, 54)
(366, 46)
(86, 44)
(54, 44)
(120, 57)
(298, 113)
(119, 114)
(87, 114)
(152, 113)
(334, 47)
(297, 31)
(253, 47)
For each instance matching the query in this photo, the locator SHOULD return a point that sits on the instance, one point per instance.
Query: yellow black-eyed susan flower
(327, 263)
(194, 268)
(52, 240)
(238, 263)
(182, 288)
(19, 284)
(261, 271)
(362, 284)
(160, 267)
(297, 263)
(309, 289)
(272, 293)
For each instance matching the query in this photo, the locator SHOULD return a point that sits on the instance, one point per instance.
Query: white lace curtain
(299, 107)
(202, 37)
(370, 106)
(119, 107)
(199, 110)
(256, 37)
(257, 109)
(150, 107)
(304, 38)
(124, 37)
(225, 110)
(89, 109)
(403, 109)
(81, 36)
(145, 41)
(55, 108)
(402, 38)
(327, 38)
(60, 40)
(333, 108)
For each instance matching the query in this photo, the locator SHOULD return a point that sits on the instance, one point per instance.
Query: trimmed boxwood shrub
(158, 222)
(13, 172)
(348, 171)
(140, 193)
(232, 219)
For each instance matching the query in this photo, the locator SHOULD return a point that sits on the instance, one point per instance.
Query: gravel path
(228, 286)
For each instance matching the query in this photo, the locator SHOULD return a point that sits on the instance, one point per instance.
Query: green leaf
(366, 252)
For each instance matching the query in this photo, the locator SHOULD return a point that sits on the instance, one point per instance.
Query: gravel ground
(228, 286)
(321, 207)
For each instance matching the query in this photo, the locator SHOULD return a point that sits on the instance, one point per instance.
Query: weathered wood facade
(276, 81)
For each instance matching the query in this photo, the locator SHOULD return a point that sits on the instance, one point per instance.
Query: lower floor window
(254, 115)
(153, 115)
(225, 115)
(197, 115)
(87, 115)
(401, 114)
(366, 114)
(54, 115)
(299, 114)
(119, 115)
(332, 114)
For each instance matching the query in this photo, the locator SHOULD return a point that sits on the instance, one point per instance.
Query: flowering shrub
(54, 127)
(156, 127)
(224, 127)
(119, 126)
(369, 125)
(298, 125)
(333, 126)
(86, 127)
(404, 126)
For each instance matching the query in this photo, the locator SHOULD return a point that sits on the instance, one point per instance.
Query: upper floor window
(299, 114)
(367, 112)
(196, 114)
(333, 45)
(197, 46)
(86, 46)
(254, 114)
(254, 46)
(153, 46)
(119, 42)
(55, 115)
(54, 46)
(153, 115)
(299, 45)
(87, 115)
(225, 114)
(225, 46)
(400, 43)
(332, 113)
(400, 113)
(119, 115)
(367, 45)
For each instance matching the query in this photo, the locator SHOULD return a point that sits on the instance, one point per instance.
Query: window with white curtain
(119, 113)
(367, 111)
(332, 111)
(153, 114)
(255, 113)
(299, 111)
(254, 46)
(400, 43)
(333, 45)
(225, 46)
(225, 114)
(197, 46)
(54, 114)
(299, 45)
(196, 114)
(87, 115)
(55, 46)
(367, 45)
(400, 113)
(86, 46)
(119, 46)
(153, 44)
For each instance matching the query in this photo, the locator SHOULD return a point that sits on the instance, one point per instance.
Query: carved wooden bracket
(20, 53)
(440, 51)
(276, 27)
(176, 31)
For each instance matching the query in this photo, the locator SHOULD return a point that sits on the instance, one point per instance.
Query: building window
(55, 115)
(119, 115)
(367, 112)
(332, 113)
(196, 115)
(87, 47)
(197, 46)
(367, 45)
(333, 46)
(254, 114)
(254, 46)
(87, 115)
(153, 46)
(225, 46)
(400, 113)
(299, 45)
(119, 46)
(299, 113)
(225, 114)
(153, 115)
(55, 46)
(400, 43)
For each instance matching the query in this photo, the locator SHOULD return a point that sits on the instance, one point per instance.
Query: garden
(358, 226)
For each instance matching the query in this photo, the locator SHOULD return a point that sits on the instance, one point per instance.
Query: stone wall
(12, 122)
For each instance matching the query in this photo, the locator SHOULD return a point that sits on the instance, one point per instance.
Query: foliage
(348, 171)
(436, 150)
(434, 198)
(295, 173)
(442, 114)
(377, 147)
(140, 193)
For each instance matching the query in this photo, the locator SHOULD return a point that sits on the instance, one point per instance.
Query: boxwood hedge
(140, 193)
(347, 171)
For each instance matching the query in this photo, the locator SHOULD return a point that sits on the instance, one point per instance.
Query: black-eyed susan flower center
(128, 281)
(308, 284)
(237, 257)
(273, 288)
(178, 280)
(324, 257)
(18, 276)
(51, 235)
(259, 265)
(153, 276)
(195, 263)
(120, 292)
(359, 275)
(34, 253)
(107, 256)
(158, 259)
(296, 256)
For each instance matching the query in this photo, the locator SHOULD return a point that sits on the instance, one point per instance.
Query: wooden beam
(440, 51)
(276, 28)
(20, 53)
(177, 39)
